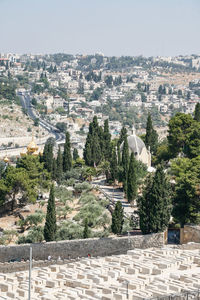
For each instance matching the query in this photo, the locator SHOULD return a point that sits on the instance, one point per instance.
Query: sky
(111, 27)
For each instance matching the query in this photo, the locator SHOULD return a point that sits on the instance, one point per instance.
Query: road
(26, 104)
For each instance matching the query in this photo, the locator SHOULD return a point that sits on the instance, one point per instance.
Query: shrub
(74, 173)
(63, 194)
(91, 211)
(35, 235)
(84, 186)
(69, 231)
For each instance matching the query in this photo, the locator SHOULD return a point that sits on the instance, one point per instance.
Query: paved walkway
(114, 194)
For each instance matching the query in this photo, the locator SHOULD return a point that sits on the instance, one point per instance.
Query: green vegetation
(151, 137)
(67, 157)
(155, 203)
(117, 219)
(50, 223)
(132, 179)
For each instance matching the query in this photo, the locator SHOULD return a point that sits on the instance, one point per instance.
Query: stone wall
(190, 233)
(81, 248)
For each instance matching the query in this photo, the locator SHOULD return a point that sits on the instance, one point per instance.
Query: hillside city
(99, 176)
(69, 90)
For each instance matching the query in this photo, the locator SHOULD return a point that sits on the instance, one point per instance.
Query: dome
(32, 147)
(135, 144)
(23, 153)
(6, 159)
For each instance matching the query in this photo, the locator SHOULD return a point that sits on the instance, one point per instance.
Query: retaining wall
(81, 248)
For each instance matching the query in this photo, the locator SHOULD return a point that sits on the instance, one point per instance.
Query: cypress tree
(48, 156)
(75, 154)
(54, 169)
(151, 137)
(86, 229)
(67, 157)
(197, 112)
(132, 179)
(144, 207)
(117, 218)
(123, 134)
(113, 165)
(59, 166)
(156, 201)
(118, 154)
(125, 163)
(50, 223)
(93, 151)
(87, 153)
(107, 141)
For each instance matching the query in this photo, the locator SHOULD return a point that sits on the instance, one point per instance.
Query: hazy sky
(113, 27)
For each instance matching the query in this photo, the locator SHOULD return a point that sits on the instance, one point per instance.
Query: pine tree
(125, 163)
(50, 223)
(113, 165)
(67, 157)
(155, 204)
(197, 112)
(86, 233)
(59, 166)
(132, 179)
(75, 154)
(117, 218)
(151, 137)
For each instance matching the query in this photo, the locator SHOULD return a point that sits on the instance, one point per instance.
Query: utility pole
(30, 268)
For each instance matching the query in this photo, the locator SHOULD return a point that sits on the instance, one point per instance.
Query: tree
(107, 141)
(86, 229)
(35, 170)
(17, 181)
(75, 154)
(144, 207)
(113, 166)
(155, 204)
(132, 179)
(123, 134)
(59, 166)
(186, 199)
(50, 223)
(93, 151)
(192, 142)
(47, 157)
(67, 157)
(179, 126)
(125, 163)
(117, 218)
(197, 112)
(151, 137)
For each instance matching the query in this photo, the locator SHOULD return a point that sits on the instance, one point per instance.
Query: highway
(26, 104)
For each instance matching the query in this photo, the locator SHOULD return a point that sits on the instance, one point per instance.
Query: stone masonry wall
(81, 248)
(190, 234)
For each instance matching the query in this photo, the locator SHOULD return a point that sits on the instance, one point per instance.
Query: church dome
(32, 147)
(6, 159)
(135, 144)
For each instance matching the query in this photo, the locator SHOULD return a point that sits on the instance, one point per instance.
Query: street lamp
(127, 283)
(30, 268)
